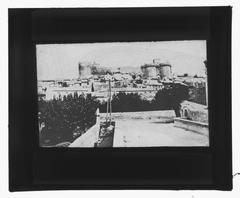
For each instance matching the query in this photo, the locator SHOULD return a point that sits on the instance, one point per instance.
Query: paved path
(150, 133)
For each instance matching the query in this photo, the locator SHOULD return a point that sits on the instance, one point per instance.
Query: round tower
(164, 70)
(149, 71)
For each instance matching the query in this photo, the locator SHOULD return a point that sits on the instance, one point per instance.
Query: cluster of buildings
(95, 81)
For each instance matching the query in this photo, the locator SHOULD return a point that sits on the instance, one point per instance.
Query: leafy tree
(198, 95)
(64, 116)
(167, 98)
(171, 97)
(127, 102)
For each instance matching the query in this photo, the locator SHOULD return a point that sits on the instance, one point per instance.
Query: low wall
(169, 114)
(198, 127)
(194, 111)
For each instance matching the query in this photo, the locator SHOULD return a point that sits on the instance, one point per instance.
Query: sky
(60, 61)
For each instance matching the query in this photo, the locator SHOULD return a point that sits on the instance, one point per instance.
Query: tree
(171, 97)
(127, 102)
(198, 95)
(63, 116)
(167, 98)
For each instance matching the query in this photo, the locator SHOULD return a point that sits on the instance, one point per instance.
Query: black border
(34, 168)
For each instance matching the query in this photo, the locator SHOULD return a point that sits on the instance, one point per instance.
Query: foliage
(170, 97)
(198, 95)
(64, 116)
(167, 98)
(123, 102)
